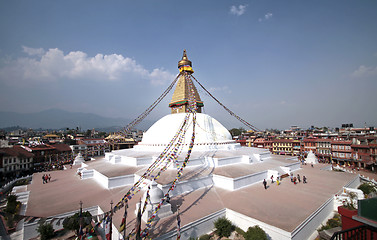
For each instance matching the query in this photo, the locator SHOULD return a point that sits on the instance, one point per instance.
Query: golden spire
(179, 101)
(184, 64)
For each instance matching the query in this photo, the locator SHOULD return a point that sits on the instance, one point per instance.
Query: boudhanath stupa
(221, 179)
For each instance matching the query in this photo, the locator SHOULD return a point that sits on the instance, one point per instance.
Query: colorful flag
(123, 224)
(107, 227)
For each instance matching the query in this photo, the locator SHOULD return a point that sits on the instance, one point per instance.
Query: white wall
(101, 179)
(120, 181)
(240, 182)
(248, 180)
(188, 186)
(309, 226)
(196, 228)
(244, 222)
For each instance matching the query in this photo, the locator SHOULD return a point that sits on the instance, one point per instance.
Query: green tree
(237, 131)
(205, 237)
(46, 231)
(73, 222)
(224, 227)
(88, 133)
(367, 188)
(255, 233)
(12, 204)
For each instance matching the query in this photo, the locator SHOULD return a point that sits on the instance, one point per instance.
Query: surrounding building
(309, 144)
(282, 146)
(15, 161)
(323, 149)
(93, 147)
(341, 151)
(117, 142)
(357, 148)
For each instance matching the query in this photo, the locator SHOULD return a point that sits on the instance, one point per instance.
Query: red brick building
(341, 151)
(364, 151)
(309, 144)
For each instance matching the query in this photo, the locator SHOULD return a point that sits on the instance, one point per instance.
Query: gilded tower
(179, 101)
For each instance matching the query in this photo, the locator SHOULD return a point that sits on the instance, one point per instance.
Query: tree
(12, 204)
(73, 222)
(237, 131)
(223, 227)
(46, 231)
(205, 237)
(88, 133)
(255, 233)
(367, 188)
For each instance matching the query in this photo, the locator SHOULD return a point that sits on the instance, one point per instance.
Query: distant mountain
(57, 119)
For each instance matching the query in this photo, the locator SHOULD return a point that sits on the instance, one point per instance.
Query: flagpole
(80, 220)
(125, 220)
(178, 225)
(138, 222)
(111, 220)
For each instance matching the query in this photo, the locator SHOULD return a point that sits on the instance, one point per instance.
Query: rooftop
(65, 191)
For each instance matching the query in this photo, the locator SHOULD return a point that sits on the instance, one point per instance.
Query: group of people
(272, 181)
(298, 179)
(46, 178)
(294, 179)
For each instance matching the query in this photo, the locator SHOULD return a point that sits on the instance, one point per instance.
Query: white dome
(207, 131)
(155, 194)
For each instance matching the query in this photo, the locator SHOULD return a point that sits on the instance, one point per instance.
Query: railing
(10, 184)
(359, 232)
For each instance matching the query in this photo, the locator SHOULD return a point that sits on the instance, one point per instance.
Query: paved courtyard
(284, 206)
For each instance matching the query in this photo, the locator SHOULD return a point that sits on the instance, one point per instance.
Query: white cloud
(364, 71)
(266, 17)
(159, 76)
(220, 89)
(33, 51)
(54, 65)
(240, 10)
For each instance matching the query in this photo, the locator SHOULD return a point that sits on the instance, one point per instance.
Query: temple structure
(179, 101)
(311, 158)
(222, 179)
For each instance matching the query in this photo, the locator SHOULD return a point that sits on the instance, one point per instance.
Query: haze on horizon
(273, 63)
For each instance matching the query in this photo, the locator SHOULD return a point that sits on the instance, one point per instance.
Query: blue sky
(274, 63)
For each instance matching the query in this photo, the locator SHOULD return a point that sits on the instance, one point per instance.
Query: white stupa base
(311, 158)
(164, 211)
(78, 160)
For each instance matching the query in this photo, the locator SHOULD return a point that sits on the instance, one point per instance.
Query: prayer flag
(123, 224)
(107, 228)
